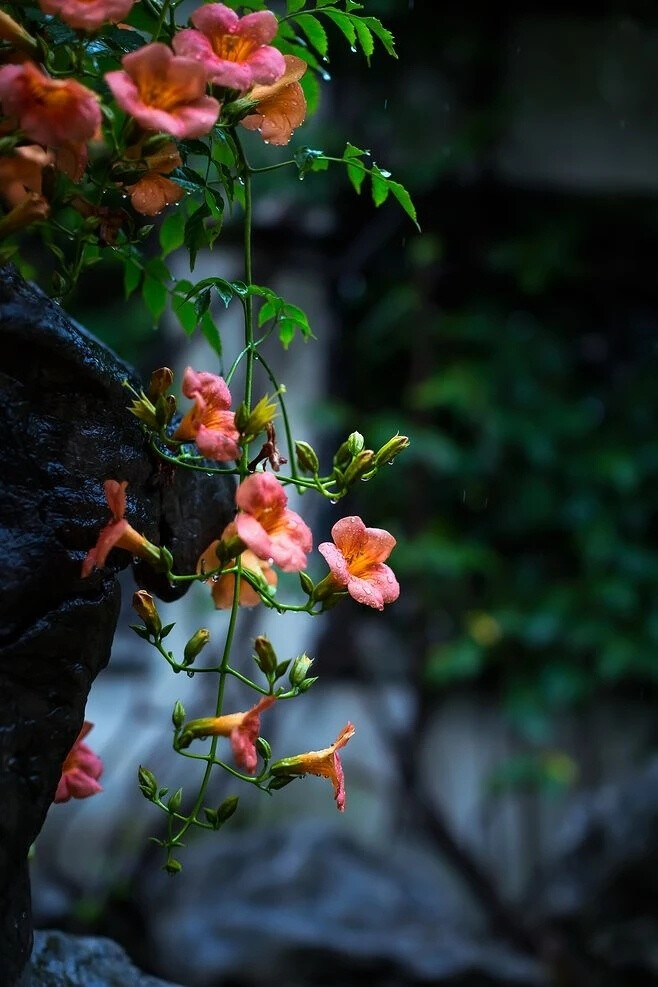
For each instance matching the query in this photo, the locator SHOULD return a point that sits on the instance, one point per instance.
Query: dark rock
(322, 910)
(65, 429)
(601, 888)
(60, 960)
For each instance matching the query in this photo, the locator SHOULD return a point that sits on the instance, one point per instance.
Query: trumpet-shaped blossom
(80, 771)
(243, 730)
(164, 92)
(88, 14)
(21, 172)
(325, 764)
(55, 112)
(153, 192)
(233, 51)
(356, 560)
(209, 423)
(280, 108)
(117, 533)
(268, 527)
(223, 586)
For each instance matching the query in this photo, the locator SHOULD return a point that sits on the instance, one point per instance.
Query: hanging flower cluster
(103, 123)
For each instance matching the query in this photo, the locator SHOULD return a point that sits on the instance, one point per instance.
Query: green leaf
(195, 236)
(344, 23)
(172, 231)
(380, 186)
(292, 6)
(355, 173)
(309, 159)
(364, 35)
(403, 197)
(315, 33)
(132, 277)
(154, 289)
(186, 315)
(381, 32)
(311, 88)
(211, 333)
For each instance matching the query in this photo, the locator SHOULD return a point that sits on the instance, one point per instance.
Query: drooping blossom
(88, 15)
(153, 192)
(243, 729)
(53, 112)
(281, 108)
(325, 764)
(356, 560)
(268, 527)
(223, 587)
(22, 172)
(30, 209)
(117, 533)
(16, 35)
(80, 771)
(209, 423)
(233, 51)
(164, 92)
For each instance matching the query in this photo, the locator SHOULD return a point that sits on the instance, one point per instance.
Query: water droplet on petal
(270, 561)
(368, 591)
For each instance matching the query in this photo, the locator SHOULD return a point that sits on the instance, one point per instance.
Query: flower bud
(165, 409)
(265, 656)
(160, 382)
(307, 457)
(343, 456)
(147, 783)
(195, 645)
(306, 582)
(355, 443)
(145, 608)
(144, 410)
(227, 808)
(360, 464)
(17, 35)
(263, 748)
(174, 802)
(391, 449)
(241, 416)
(259, 416)
(178, 714)
(299, 669)
(173, 866)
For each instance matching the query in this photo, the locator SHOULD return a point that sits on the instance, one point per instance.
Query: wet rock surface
(66, 430)
(61, 960)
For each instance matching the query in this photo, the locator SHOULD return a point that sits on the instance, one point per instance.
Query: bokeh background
(502, 821)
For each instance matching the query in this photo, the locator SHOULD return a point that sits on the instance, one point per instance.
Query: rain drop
(386, 104)
(325, 75)
(190, 675)
(353, 49)
(270, 561)
(368, 591)
(333, 500)
(390, 462)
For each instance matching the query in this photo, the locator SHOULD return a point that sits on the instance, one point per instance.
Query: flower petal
(254, 536)
(336, 562)
(260, 492)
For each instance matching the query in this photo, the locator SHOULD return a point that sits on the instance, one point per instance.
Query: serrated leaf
(172, 231)
(344, 23)
(381, 32)
(315, 33)
(403, 197)
(380, 186)
(355, 173)
(364, 34)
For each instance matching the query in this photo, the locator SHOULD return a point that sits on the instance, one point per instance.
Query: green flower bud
(307, 457)
(391, 449)
(195, 645)
(147, 783)
(355, 443)
(343, 456)
(173, 866)
(165, 408)
(264, 748)
(299, 669)
(360, 464)
(174, 802)
(306, 583)
(178, 714)
(227, 808)
(265, 656)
